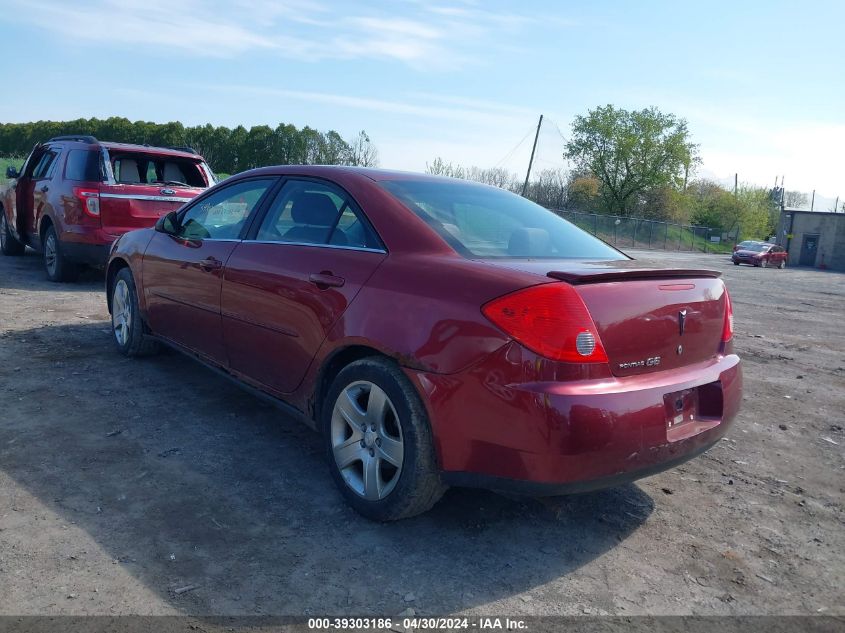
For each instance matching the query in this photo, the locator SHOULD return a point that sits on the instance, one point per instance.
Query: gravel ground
(157, 487)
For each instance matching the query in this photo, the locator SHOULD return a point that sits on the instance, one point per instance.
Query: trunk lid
(649, 318)
(144, 185)
(124, 207)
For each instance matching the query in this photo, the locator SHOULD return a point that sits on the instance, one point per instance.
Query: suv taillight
(90, 199)
(551, 320)
(728, 328)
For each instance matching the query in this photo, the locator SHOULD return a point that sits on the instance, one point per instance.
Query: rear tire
(57, 267)
(736, 263)
(379, 442)
(782, 264)
(127, 326)
(9, 245)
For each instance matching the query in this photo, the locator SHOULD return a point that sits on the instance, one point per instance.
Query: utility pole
(531, 160)
(813, 200)
(736, 184)
(836, 204)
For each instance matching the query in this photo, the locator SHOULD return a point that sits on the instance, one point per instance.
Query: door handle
(211, 263)
(326, 280)
(44, 189)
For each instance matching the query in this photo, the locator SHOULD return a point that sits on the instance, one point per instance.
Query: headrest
(316, 209)
(527, 242)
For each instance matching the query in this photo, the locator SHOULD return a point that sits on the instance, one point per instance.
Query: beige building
(813, 238)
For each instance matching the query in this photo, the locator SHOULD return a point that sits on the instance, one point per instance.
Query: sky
(761, 84)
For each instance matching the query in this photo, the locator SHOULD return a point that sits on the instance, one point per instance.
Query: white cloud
(305, 30)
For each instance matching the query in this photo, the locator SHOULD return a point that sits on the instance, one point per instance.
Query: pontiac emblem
(682, 320)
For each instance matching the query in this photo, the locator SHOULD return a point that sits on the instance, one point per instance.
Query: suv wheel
(379, 443)
(8, 244)
(126, 320)
(57, 267)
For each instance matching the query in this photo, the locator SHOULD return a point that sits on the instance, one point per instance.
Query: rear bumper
(553, 437)
(91, 254)
(88, 245)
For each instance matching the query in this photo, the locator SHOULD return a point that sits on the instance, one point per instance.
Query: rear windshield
(152, 169)
(481, 221)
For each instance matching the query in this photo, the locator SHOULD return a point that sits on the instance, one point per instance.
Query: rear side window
(82, 165)
(306, 212)
(481, 221)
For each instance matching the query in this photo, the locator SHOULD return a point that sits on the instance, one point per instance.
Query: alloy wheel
(121, 312)
(366, 440)
(51, 255)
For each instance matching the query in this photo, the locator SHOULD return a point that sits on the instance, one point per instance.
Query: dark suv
(75, 195)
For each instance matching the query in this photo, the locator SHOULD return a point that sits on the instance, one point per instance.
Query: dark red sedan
(435, 332)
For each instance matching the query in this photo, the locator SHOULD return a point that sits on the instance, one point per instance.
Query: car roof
(132, 147)
(327, 170)
(124, 147)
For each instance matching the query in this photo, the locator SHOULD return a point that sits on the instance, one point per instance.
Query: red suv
(75, 195)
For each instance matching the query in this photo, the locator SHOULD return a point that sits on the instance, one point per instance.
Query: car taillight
(551, 320)
(728, 328)
(90, 199)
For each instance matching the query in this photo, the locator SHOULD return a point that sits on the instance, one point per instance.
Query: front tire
(9, 245)
(379, 443)
(765, 263)
(127, 326)
(782, 264)
(58, 268)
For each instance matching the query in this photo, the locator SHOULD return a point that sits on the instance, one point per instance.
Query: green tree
(631, 152)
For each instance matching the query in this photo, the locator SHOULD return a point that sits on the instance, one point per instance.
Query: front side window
(306, 212)
(44, 167)
(481, 221)
(223, 214)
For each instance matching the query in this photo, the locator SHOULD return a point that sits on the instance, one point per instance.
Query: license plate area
(691, 411)
(681, 407)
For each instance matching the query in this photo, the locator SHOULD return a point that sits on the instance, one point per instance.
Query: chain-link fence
(625, 232)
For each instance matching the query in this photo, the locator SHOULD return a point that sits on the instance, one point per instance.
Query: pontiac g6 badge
(654, 361)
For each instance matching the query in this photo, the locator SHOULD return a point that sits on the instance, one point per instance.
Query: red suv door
(287, 286)
(182, 273)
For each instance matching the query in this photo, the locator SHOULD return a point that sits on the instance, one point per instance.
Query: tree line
(227, 150)
(639, 163)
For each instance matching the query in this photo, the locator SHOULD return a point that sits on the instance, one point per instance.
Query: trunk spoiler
(590, 276)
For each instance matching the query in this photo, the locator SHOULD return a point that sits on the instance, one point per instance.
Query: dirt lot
(156, 487)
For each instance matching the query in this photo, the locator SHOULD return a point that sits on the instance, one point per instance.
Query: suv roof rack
(183, 148)
(76, 137)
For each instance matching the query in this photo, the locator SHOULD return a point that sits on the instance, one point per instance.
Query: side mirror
(168, 224)
(11, 172)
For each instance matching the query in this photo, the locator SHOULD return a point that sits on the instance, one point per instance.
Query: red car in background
(75, 195)
(435, 332)
(760, 254)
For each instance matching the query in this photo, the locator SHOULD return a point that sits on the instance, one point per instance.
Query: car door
(182, 272)
(289, 283)
(24, 215)
(39, 188)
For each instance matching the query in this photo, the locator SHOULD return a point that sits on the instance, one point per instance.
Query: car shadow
(26, 272)
(185, 480)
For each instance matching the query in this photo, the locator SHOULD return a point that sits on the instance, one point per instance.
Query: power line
(510, 154)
